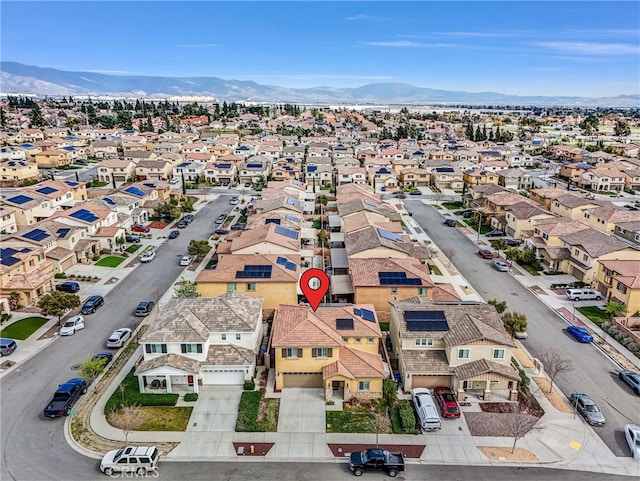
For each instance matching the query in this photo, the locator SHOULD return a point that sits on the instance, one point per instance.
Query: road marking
(575, 445)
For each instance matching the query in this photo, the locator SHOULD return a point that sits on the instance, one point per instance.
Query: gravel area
(489, 424)
(555, 398)
(495, 453)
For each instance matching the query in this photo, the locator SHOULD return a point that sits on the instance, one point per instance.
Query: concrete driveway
(302, 410)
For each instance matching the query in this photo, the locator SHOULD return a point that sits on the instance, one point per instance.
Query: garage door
(223, 376)
(302, 379)
(430, 381)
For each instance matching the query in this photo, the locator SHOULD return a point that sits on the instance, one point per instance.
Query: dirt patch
(408, 450)
(504, 454)
(7, 364)
(555, 398)
(158, 225)
(490, 424)
(111, 280)
(252, 449)
(51, 332)
(522, 358)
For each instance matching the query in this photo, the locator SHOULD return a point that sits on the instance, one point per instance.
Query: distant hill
(16, 78)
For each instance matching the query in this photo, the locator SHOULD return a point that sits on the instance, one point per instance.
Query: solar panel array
(224, 166)
(36, 235)
(312, 168)
(20, 199)
(254, 272)
(292, 218)
(109, 200)
(272, 221)
(389, 235)
(292, 234)
(71, 183)
(151, 185)
(290, 266)
(444, 169)
(281, 260)
(7, 255)
(134, 191)
(426, 321)
(62, 232)
(344, 324)
(397, 279)
(46, 190)
(291, 201)
(254, 166)
(366, 314)
(84, 215)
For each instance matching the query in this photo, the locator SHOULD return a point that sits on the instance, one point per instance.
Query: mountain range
(16, 78)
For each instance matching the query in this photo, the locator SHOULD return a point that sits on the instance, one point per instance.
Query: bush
(390, 391)
(407, 418)
(403, 420)
(249, 386)
(60, 275)
(191, 397)
(248, 412)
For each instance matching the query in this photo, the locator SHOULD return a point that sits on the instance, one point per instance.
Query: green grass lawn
(452, 205)
(23, 328)
(110, 261)
(433, 269)
(350, 422)
(594, 313)
(132, 248)
(155, 418)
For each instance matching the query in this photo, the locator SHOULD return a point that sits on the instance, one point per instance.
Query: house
(629, 231)
(27, 271)
(350, 175)
(103, 149)
(447, 178)
(29, 207)
(273, 278)
(254, 169)
(201, 341)
(521, 217)
(519, 160)
(479, 176)
(571, 206)
(463, 346)
(8, 222)
(189, 171)
(619, 281)
(53, 158)
(605, 217)
(335, 348)
(318, 174)
(221, 173)
(515, 179)
(153, 170)
(602, 180)
(116, 171)
(14, 172)
(375, 242)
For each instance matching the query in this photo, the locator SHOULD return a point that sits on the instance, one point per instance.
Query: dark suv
(144, 308)
(68, 286)
(91, 304)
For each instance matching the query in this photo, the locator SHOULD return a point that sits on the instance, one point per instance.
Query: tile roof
(364, 271)
(594, 242)
(229, 264)
(425, 361)
(470, 329)
(175, 361)
(625, 271)
(354, 364)
(472, 369)
(229, 355)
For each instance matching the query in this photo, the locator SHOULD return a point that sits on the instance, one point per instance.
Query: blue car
(632, 379)
(580, 333)
(173, 234)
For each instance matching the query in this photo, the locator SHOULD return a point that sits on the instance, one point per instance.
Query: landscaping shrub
(60, 275)
(191, 397)
(131, 395)
(403, 421)
(248, 412)
(390, 391)
(407, 418)
(249, 386)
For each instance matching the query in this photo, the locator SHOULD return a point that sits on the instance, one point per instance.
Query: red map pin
(314, 283)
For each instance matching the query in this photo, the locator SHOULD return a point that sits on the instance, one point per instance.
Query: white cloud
(590, 48)
(361, 16)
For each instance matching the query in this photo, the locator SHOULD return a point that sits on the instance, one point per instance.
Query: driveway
(302, 410)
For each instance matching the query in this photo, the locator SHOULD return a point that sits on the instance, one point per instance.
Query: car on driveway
(632, 379)
(580, 333)
(185, 261)
(72, 325)
(495, 233)
(173, 234)
(147, 256)
(69, 286)
(174, 180)
(485, 254)
(632, 435)
(447, 402)
(91, 305)
(132, 238)
(144, 308)
(129, 460)
(221, 231)
(587, 408)
(107, 356)
(501, 266)
(220, 219)
(141, 228)
(467, 214)
(512, 242)
(119, 337)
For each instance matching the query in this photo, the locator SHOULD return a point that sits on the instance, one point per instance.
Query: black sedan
(91, 305)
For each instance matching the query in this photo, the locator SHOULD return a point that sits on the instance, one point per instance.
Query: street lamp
(479, 225)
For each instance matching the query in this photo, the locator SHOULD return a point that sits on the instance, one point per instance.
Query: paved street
(593, 373)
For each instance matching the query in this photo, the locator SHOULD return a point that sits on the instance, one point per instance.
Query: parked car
(415, 192)
(485, 254)
(220, 219)
(72, 325)
(221, 231)
(132, 238)
(174, 180)
(92, 304)
(632, 435)
(451, 222)
(234, 201)
(182, 224)
(399, 195)
(144, 308)
(447, 402)
(185, 261)
(495, 233)
(583, 294)
(131, 459)
(375, 459)
(580, 333)
(107, 356)
(141, 228)
(147, 256)
(119, 337)
(587, 408)
(501, 266)
(425, 406)
(65, 397)
(632, 379)
(521, 334)
(7, 346)
(69, 286)
(173, 234)
(239, 226)
(467, 214)
(512, 242)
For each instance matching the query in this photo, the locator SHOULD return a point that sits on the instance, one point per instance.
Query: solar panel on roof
(368, 315)
(84, 215)
(134, 191)
(358, 312)
(7, 255)
(46, 190)
(292, 234)
(397, 279)
(312, 168)
(71, 183)
(444, 169)
(272, 221)
(254, 272)
(150, 185)
(292, 218)
(62, 233)
(20, 199)
(426, 321)
(281, 260)
(224, 166)
(344, 324)
(291, 201)
(109, 200)
(36, 235)
(389, 235)
(290, 265)
(254, 166)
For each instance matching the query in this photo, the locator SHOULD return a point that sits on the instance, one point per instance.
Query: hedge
(131, 395)
(191, 396)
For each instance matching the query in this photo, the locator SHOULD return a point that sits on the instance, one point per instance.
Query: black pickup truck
(64, 397)
(374, 459)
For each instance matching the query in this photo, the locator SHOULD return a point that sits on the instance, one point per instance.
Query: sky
(514, 47)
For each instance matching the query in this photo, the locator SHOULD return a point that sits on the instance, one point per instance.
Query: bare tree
(128, 418)
(517, 422)
(449, 252)
(554, 362)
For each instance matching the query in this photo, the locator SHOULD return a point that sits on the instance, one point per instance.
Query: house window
(422, 291)
(231, 286)
(251, 286)
(345, 340)
(498, 353)
(463, 353)
(223, 337)
(187, 348)
(322, 352)
(238, 336)
(370, 340)
(291, 352)
(424, 342)
(363, 386)
(621, 288)
(394, 290)
(358, 340)
(155, 348)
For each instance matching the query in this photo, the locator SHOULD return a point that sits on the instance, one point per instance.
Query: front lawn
(132, 248)
(360, 417)
(131, 395)
(23, 328)
(110, 261)
(594, 313)
(158, 418)
(257, 415)
(452, 205)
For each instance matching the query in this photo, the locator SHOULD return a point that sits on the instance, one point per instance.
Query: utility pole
(479, 225)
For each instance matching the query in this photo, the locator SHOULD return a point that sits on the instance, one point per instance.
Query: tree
(128, 418)
(198, 248)
(500, 306)
(499, 245)
(187, 204)
(57, 304)
(169, 211)
(14, 300)
(612, 308)
(554, 362)
(589, 125)
(621, 129)
(92, 368)
(514, 322)
(450, 252)
(35, 117)
(186, 289)
(517, 422)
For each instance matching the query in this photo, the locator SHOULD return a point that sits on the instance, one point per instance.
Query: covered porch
(170, 373)
(483, 379)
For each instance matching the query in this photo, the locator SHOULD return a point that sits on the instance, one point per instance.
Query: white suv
(132, 459)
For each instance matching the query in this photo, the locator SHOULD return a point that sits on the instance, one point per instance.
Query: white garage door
(223, 376)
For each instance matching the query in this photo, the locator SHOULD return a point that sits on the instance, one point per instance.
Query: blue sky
(516, 47)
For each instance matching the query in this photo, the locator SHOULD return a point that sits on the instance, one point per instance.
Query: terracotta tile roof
(482, 366)
(229, 264)
(560, 226)
(175, 361)
(572, 201)
(364, 272)
(229, 355)
(369, 238)
(359, 220)
(613, 214)
(470, 329)
(354, 364)
(594, 242)
(265, 234)
(525, 210)
(444, 293)
(625, 271)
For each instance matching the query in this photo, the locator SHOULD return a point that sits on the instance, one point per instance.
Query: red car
(485, 253)
(447, 401)
(140, 228)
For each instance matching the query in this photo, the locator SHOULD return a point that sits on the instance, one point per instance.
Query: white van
(426, 408)
(583, 294)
